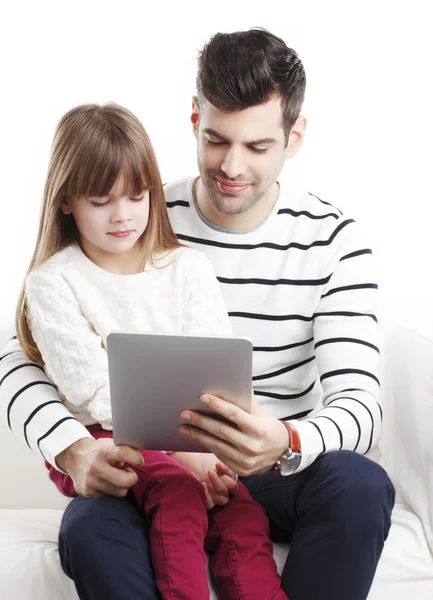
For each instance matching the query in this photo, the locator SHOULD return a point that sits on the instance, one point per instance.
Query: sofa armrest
(407, 440)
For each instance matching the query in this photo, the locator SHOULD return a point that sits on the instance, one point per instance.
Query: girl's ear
(66, 205)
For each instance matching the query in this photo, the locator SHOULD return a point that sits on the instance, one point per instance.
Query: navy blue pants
(336, 514)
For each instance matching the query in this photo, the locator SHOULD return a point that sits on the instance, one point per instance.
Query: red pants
(181, 530)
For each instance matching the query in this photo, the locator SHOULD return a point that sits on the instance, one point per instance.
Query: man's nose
(233, 164)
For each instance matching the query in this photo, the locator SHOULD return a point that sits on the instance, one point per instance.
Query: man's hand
(250, 448)
(217, 479)
(97, 467)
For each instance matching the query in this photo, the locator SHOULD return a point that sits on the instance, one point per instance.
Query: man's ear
(296, 137)
(66, 205)
(195, 116)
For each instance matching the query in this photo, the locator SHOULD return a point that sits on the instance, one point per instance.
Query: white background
(369, 108)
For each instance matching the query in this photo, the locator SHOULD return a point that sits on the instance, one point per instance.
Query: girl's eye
(137, 199)
(99, 203)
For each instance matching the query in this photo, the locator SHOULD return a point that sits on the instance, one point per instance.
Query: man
(298, 281)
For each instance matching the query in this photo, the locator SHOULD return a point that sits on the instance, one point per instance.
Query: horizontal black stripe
(348, 288)
(336, 425)
(22, 390)
(362, 392)
(354, 418)
(299, 415)
(177, 203)
(304, 213)
(338, 340)
(327, 203)
(349, 372)
(356, 253)
(283, 370)
(245, 315)
(53, 428)
(320, 433)
(280, 348)
(369, 412)
(20, 367)
(285, 396)
(8, 354)
(380, 410)
(271, 245)
(256, 280)
(263, 317)
(32, 414)
(345, 313)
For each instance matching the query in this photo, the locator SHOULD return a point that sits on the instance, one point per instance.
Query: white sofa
(31, 508)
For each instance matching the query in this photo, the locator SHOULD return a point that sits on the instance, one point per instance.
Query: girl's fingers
(209, 499)
(218, 485)
(230, 483)
(223, 469)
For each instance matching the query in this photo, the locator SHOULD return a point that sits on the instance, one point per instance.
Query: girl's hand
(218, 480)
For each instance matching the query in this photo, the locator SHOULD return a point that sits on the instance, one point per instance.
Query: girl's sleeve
(204, 307)
(74, 354)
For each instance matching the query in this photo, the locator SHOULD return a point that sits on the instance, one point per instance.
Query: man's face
(240, 154)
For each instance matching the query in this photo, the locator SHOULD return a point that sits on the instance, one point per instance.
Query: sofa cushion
(29, 559)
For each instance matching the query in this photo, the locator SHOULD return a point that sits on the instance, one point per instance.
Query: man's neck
(245, 221)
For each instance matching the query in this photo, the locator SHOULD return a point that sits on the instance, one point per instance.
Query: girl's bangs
(96, 173)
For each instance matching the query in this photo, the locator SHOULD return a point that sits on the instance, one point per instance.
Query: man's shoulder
(179, 192)
(313, 222)
(302, 202)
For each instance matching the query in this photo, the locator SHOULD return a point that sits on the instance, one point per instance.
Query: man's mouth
(232, 187)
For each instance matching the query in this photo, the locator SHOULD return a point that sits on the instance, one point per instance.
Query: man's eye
(213, 143)
(259, 150)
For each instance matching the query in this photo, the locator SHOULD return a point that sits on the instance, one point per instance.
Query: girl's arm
(74, 354)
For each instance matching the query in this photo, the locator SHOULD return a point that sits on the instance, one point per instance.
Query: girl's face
(110, 225)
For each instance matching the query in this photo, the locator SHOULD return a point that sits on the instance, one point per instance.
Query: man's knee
(355, 486)
(86, 521)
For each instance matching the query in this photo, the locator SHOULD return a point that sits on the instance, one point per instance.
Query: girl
(106, 258)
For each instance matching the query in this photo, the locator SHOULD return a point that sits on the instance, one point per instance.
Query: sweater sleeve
(347, 355)
(74, 354)
(31, 407)
(204, 307)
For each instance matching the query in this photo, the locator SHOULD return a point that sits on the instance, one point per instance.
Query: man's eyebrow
(267, 140)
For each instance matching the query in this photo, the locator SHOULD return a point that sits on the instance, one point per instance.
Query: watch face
(290, 463)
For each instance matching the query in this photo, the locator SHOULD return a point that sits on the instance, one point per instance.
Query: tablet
(153, 377)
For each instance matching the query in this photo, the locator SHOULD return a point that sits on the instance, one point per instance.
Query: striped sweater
(302, 287)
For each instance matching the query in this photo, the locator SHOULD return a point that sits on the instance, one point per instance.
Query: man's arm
(347, 356)
(31, 407)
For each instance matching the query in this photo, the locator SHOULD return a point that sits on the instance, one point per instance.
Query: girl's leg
(240, 551)
(174, 503)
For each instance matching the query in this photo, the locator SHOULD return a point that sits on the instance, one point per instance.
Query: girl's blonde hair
(94, 145)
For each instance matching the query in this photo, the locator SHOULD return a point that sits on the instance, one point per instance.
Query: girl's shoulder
(187, 258)
(59, 262)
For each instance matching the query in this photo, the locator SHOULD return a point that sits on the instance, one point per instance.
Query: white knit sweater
(73, 305)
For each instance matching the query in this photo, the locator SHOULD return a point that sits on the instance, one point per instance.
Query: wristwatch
(291, 458)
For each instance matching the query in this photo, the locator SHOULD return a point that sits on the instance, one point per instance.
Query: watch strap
(294, 439)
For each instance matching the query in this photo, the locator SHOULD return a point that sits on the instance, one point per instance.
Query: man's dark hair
(244, 69)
